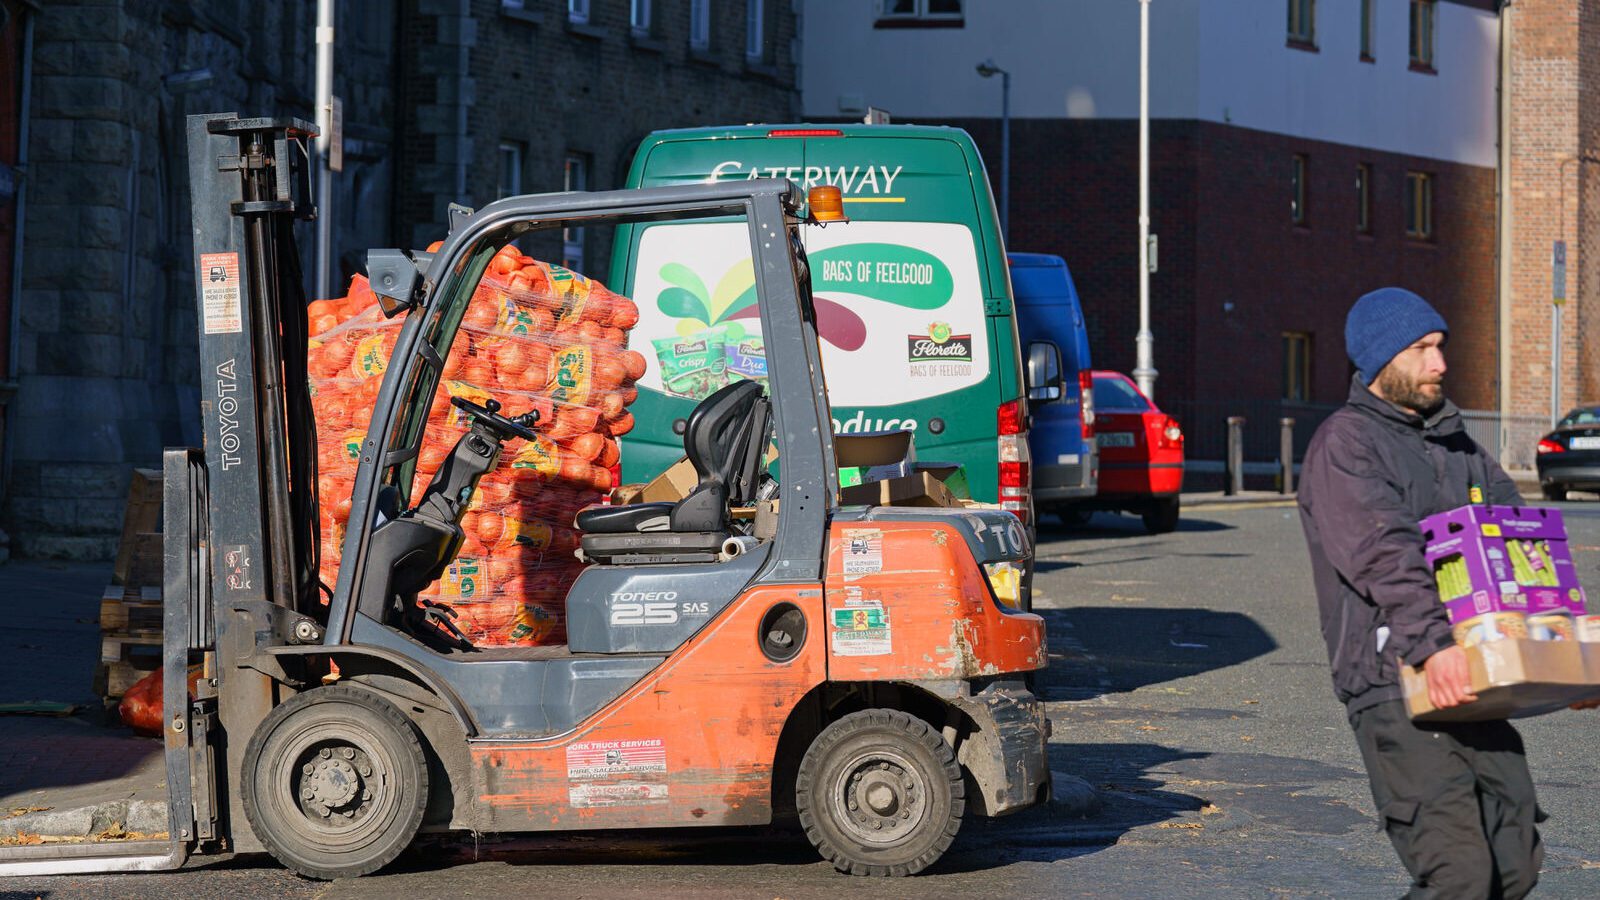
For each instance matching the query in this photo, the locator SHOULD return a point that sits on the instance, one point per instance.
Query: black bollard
(1286, 455)
(1235, 462)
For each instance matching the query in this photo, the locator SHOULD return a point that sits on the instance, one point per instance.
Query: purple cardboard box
(1482, 538)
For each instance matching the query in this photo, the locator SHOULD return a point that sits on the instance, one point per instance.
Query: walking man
(1456, 800)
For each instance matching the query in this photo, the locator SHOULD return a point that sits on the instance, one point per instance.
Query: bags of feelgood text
(534, 336)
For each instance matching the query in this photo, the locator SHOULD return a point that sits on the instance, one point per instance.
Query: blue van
(1066, 465)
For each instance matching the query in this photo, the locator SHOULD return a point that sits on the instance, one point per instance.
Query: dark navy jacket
(1372, 472)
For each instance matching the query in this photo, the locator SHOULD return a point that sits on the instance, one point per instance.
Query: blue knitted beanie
(1383, 323)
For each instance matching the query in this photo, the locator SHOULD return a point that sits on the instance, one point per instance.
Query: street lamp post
(1144, 371)
(323, 146)
(987, 68)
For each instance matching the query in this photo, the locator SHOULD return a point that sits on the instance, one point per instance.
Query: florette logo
(939, 344)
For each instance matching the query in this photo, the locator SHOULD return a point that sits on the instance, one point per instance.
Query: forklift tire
(879, 792)
(335, 782)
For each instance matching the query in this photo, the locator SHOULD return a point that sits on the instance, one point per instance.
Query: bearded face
(1419, 391)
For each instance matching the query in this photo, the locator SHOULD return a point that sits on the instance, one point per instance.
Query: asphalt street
(1188, 684)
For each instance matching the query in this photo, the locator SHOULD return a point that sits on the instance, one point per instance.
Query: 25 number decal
(654, 613)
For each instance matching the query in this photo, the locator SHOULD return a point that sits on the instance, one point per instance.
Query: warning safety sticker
(863, 551)
(219, 291)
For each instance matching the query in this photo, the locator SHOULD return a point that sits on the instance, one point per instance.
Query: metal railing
(1263, 442)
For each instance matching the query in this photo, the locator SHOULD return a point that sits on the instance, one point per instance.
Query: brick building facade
(1553, 182)
(1248, 304)
(1236, 273)
(432, 90)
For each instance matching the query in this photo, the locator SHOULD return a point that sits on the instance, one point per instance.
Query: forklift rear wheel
(335, 782)
(879, 792)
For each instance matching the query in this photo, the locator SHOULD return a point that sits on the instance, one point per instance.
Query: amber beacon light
(827, 204)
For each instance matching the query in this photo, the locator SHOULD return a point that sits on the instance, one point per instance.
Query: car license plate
(1116, 439)
(1585, 442)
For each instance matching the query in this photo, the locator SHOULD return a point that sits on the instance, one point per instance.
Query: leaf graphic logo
(939, 345)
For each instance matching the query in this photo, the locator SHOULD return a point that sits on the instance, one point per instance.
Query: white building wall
(1215, 60)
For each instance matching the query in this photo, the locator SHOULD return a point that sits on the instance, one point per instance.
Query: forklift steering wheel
(489, 415)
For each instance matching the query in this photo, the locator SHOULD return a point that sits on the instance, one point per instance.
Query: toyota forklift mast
(255, 540)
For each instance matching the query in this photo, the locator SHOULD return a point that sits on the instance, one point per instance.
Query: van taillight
(1016, 477)
(805, 132)
(1086, 403)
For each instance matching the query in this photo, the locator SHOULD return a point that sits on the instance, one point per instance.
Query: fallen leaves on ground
(23, 810)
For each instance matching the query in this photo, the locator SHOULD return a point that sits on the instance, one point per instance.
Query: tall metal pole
(1555, 363)
(1005, 155)
(1144, 372)
(324, 101)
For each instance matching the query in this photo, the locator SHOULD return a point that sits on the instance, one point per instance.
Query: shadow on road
(1114, 525)
(1127, 777)
(1096, 650)
(1131, 795)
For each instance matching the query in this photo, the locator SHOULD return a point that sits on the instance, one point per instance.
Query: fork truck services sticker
(617, 773)
(219, 292)
(863, 551)
(859, 629)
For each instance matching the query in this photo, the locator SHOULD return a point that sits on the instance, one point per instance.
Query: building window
(1296, 366)
(510, 178)
(1364, 198)
(574, 177)
(1422, 15)
(700, 24)
(640, 14)
(1302, 22)
(755, 30)
(1419, 205)
(1367, 15)
(578, 11)
(1297, 186)
(513, 4)
(923, 13)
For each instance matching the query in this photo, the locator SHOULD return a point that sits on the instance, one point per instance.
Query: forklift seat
(724, 440)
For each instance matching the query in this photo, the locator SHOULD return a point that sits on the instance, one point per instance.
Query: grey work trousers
(1456, 800)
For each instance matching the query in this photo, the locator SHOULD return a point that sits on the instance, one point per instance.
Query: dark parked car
(1569, 456)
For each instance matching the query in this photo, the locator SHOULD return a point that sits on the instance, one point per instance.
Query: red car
(1141, 453)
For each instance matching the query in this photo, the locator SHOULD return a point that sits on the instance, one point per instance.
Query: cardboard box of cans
(1512, 593)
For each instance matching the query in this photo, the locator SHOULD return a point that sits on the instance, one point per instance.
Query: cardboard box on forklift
(669, 487)
(920, 489)
(1514, 678)
(873, 456)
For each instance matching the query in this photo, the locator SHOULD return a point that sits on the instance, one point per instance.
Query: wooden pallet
(130, 608)
(139, 553)
(125, 610)
(130, 638)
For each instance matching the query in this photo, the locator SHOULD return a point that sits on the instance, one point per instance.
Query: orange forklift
(850, 666)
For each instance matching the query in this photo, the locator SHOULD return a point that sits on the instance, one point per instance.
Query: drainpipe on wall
(1503, 223)
(9, 385)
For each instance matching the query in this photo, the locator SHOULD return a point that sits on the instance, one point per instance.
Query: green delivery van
(913, 296)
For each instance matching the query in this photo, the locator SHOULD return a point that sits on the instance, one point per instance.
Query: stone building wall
(106, 345)
(431, 89)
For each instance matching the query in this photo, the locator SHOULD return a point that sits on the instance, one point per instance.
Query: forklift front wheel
(335, 782)
(879, 792)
